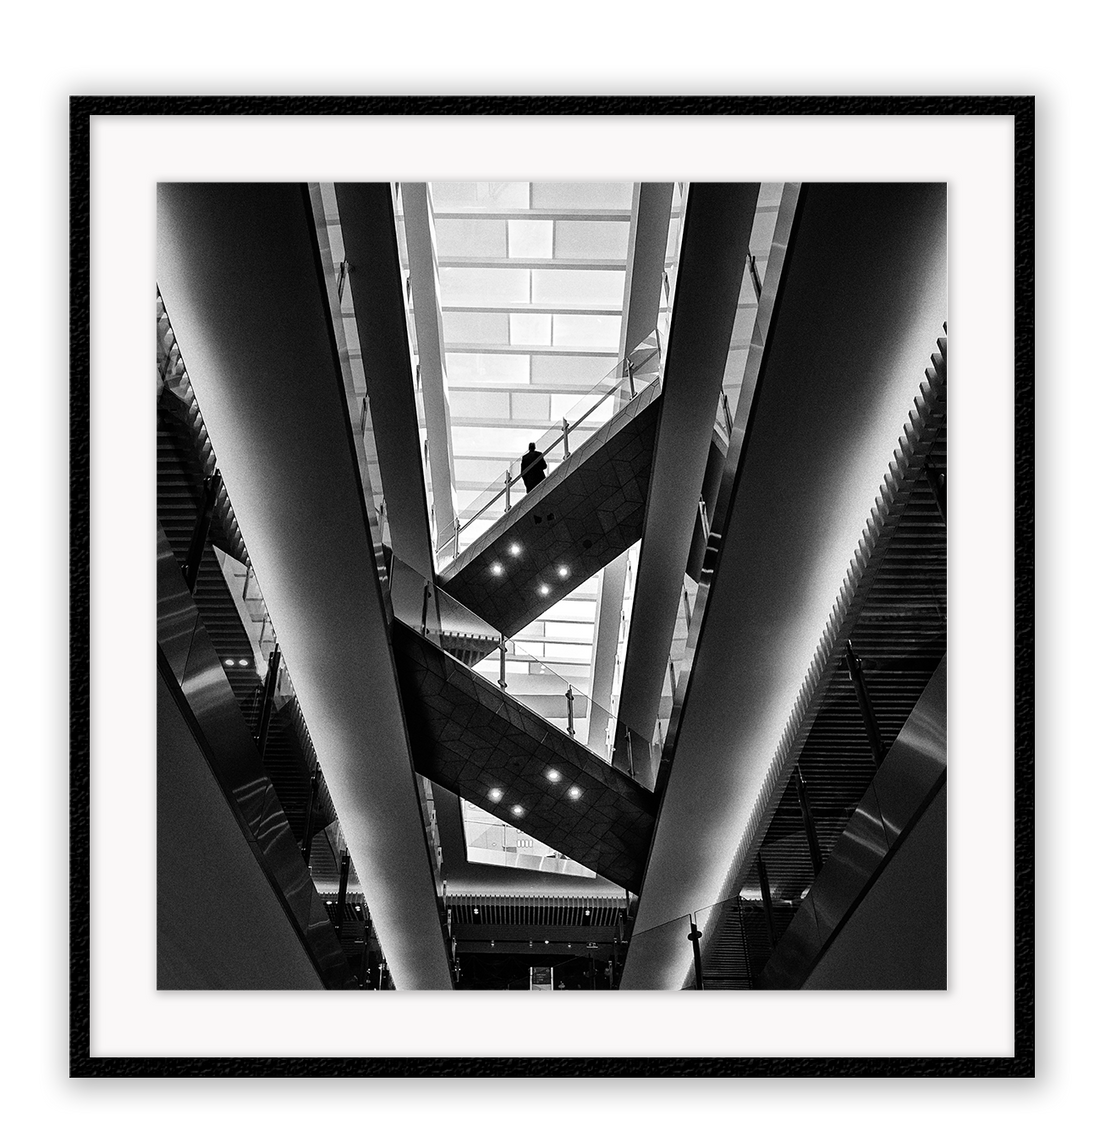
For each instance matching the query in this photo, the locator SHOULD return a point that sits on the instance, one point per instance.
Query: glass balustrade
(629, 377)
(455, 629)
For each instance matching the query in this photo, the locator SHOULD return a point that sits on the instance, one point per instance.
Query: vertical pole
(755, 276)
(502, 682)
(695, 936)
(269, 699)
(364, 962)
(744, 941)
(424, 611)
(808, 820)
(211, 486)
(342, 894)
(569, 702)
(937, 481)
(311, 806)
(629, 753)
(766, 897)
(630, 376)
(870, 724)
(508, 489)
(565, 435)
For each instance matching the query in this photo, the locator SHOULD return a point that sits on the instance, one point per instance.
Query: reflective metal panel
(910, 775)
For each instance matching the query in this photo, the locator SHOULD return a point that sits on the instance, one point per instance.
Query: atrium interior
(666, 711)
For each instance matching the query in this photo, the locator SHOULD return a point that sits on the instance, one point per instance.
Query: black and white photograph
(544, 566)
(551, 586)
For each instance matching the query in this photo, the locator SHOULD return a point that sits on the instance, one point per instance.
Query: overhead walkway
(534, 548)
(517, 755)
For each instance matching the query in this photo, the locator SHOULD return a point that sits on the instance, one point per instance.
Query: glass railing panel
(567, 435)
(659, 945)
(561, 700)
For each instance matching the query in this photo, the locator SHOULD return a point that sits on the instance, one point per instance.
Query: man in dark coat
(532, 467)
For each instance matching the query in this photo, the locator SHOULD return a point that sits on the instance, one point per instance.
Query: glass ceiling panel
(527, 239)
(581, 195)
(577, 287)
(572, 330)
(476, 328)
(471, 238)
(591, 239)
(530, 328)
(481, 195)
(572, 373)
(488, 368)
(461, 286)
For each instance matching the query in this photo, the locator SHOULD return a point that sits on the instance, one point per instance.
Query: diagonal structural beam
(650, 213)
(837, 382)
(717, 226)
(377, 284)
(428, 318)
(241, 274)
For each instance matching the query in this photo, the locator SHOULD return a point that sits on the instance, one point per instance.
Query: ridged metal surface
(893, 609)
(199, 682)
(537, 911)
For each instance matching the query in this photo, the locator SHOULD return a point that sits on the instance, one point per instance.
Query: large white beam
(241, 277)
(428, 317)
(861, 303)
(717, 225)
(650, 212)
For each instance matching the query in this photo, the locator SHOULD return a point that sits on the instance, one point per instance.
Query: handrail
(562, 437)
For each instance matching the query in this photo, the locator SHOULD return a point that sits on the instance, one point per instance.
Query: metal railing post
(565, 435)
(502, 681)
(630, 376)
(629, 754)
(766, 898)
(211, 486)
(863, 697)
(569, 701)
(808, 820)
(342, 894)
(695, 936)
(755, 276)
(424, 611)
(508, 489)
(311, 805)
(268, 700)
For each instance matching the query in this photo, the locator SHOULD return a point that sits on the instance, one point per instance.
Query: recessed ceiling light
(496, 794)
(553, 775)
(243, 662)
(546, 941)
(477, 911)
(514, 549)
(544, 589)
(563, 572)
(574, 792)
(497, 569)
(517, 810)
(229, 662)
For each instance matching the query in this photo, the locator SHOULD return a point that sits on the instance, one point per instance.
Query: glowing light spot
(515, 549)
(497, 569)
(574, 792)
(496, 794)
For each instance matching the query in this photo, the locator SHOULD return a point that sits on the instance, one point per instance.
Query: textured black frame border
(81, 1062)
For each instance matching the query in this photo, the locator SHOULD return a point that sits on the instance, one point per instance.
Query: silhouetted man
(532, 467)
